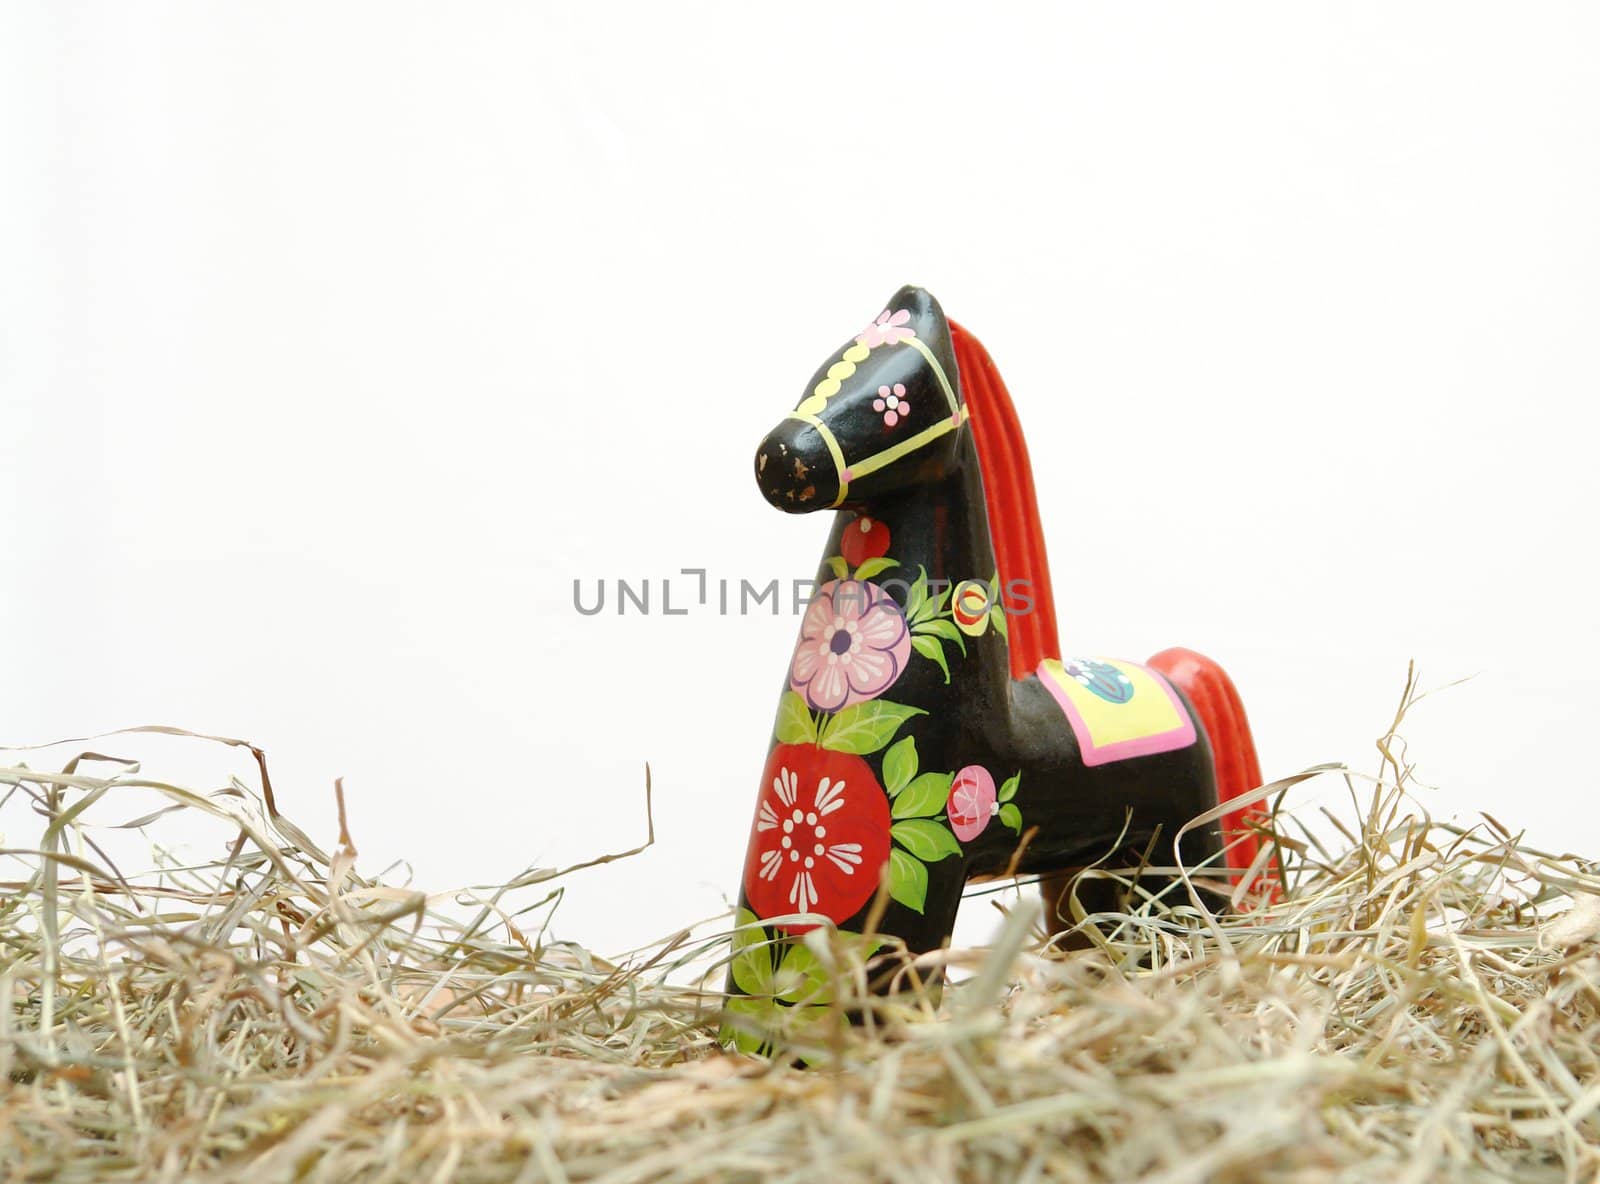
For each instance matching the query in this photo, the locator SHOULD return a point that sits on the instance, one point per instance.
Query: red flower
(863, 539)
(821, 836)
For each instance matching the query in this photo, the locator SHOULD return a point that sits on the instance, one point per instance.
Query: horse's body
(929, 739)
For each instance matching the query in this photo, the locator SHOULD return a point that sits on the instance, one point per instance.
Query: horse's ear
(929, 323)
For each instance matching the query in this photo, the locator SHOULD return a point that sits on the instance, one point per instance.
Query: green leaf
(856, 947)
(908, 880)
(930, 647)
(795, 722)
(946, 630)
(997, 618)
(804, 1029)
(841, 569)
(866, 727)
(747, 1023)
(936, 605)
(1008, 788)
(1011, 816)
(801, 977)
(876, 566)
(929, 841)
(752, 956)
(918, 596)
(924, 797)
(899, 765)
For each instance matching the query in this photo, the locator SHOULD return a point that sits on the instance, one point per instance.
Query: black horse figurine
(930, 731)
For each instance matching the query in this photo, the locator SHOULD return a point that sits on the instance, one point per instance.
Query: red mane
(1013, 507)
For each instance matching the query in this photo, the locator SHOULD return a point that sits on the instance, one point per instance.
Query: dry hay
(1420, 1006)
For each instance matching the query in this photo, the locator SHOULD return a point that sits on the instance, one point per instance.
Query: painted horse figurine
(930, 731)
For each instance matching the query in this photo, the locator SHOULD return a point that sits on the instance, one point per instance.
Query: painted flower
(969, 605)
(891, 404)
(821, 835)
(972, 802)
(864, 538)
(853, 645)
(888, 329)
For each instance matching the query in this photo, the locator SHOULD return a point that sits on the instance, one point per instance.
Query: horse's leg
(1123, 889)
(1056, 893)
(780, 994)
(1063, 891)
(913, 933)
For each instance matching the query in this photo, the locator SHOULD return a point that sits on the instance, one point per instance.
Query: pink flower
(888, 329)
(972, 802)
(892, 403)
(853, 645)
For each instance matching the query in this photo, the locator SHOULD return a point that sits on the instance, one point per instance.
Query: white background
(336, 341)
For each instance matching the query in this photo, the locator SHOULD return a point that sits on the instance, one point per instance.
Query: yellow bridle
(871, 464)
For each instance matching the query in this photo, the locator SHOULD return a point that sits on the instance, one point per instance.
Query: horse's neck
(943, 528)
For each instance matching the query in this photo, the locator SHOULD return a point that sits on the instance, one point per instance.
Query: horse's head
(882, 413)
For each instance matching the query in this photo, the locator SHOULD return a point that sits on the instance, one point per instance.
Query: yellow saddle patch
(1117, 709)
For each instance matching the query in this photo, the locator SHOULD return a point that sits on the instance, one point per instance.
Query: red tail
(1233, 752)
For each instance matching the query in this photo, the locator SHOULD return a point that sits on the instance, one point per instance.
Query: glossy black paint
(933, 504)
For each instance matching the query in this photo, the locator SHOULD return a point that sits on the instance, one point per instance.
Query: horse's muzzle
(794, 470)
